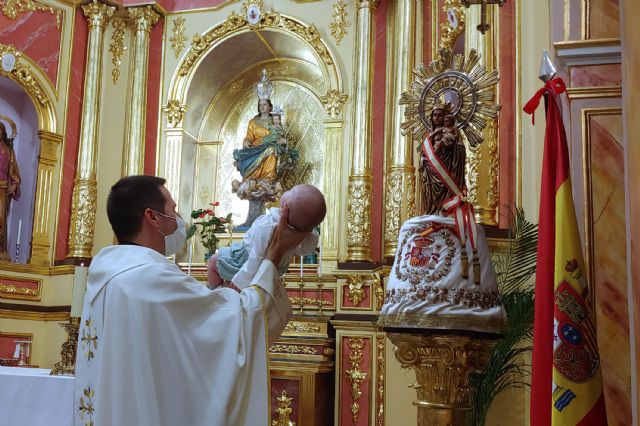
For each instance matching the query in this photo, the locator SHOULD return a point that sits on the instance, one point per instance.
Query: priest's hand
(283, 238)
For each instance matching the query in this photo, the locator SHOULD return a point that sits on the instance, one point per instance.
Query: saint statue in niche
(9, 185)
(265, 155)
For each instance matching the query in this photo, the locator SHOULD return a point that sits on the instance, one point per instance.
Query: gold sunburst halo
(465, 84)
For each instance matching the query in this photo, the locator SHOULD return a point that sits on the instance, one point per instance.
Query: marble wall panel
(606, 254)
(153, 98)
(596, 75)
(603, 16)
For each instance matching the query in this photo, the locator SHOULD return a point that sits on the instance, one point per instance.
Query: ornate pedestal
(67, 363)
(443, 364)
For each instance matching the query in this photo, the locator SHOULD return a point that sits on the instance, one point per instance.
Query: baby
(277, 129)
(239, 263)
(449, 132)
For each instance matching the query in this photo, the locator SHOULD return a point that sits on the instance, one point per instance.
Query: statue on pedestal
(9, 184)
(265, 155)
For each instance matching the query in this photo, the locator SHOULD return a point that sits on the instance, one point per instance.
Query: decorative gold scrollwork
(339, 23)
(23, 74)
(356, 376)
(293, 349)
(381, 371)
(12, 8)
(355, 292)
(175, 112)
(178, 38)
(117, 47)
(333, 102)
(283, 411)
(359, 212)
(83, 218)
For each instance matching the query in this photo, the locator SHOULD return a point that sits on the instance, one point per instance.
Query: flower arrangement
(209, 224)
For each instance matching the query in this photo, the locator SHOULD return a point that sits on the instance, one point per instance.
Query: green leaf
(191, 231)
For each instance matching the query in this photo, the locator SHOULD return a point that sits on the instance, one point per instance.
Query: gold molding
(355, 290)
(33, 316)
(378, 284)
(117, 47)
(594, 92)
(31, 78)
(178, 39)
(12, 8)
(35, 269)
(575, 44)
(380, 386)
(293, 349)
(302, 327)
(200, 44)
(356, 376)
(12, 291)
(339, 22)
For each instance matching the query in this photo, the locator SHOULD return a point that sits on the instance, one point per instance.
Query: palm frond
(514, 268)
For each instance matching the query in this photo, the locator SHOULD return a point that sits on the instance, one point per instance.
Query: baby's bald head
(307, 207)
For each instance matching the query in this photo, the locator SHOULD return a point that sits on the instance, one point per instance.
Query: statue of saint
(264, 155)
(9, 186)
(451, 153)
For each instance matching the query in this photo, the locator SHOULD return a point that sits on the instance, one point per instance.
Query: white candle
(301, 261)
(190, 258)
(320, 261)
(79, 287)
(16, 353)
(19, 231)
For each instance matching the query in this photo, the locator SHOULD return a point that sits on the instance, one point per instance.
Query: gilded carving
(359, 213)
(178, 38)
(379, 290)
(301, 327)
(293, 349)
(493, 192)
(393, 204)
(83, 218)
(355, 292)
(333, 102)
(339, 23)
(12, 291)
(283, 411)
(380, 359)
(308, 301)
(175, 112)
(144, 18)
(117, 47)
(67, 363)
(454, 25)
(443, 365)
(22, 74)
(235, 22)
(235, 87)
(97, 14)
(474, 157)
(356, 376)
(12, 8)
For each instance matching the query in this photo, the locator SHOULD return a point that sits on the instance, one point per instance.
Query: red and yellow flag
(566, 384)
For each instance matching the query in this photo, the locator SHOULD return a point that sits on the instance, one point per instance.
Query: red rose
(201, 215)
(216, 204)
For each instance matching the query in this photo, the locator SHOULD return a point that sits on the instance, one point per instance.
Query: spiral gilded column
(402, 37)
(83, 216)
(360, 178)
(143, 19)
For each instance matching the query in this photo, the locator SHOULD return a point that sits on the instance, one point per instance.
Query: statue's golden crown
(445, 106)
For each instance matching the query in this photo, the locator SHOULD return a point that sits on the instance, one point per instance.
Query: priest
(158, 348)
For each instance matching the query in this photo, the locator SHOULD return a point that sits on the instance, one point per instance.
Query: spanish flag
(566, 383)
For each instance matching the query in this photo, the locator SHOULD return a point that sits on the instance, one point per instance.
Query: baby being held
(239, 263)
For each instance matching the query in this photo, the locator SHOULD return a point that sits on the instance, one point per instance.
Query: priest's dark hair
(128, 199)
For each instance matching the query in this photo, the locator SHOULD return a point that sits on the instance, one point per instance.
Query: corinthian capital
(370, 4)
(97, 14)
(144, 18)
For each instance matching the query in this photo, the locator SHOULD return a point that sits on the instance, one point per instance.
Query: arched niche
(28, 78)
(210, 98)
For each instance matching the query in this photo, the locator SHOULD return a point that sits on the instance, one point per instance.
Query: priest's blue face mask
(175, 241)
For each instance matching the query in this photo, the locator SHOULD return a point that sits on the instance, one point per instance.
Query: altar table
(31, 397)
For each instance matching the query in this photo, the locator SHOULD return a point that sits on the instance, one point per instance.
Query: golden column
(483, 162)
(360, 179)
(83, 216)
(403, 45)
(143, 18)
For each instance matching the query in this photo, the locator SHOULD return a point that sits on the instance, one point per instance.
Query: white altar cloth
(31, 397)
